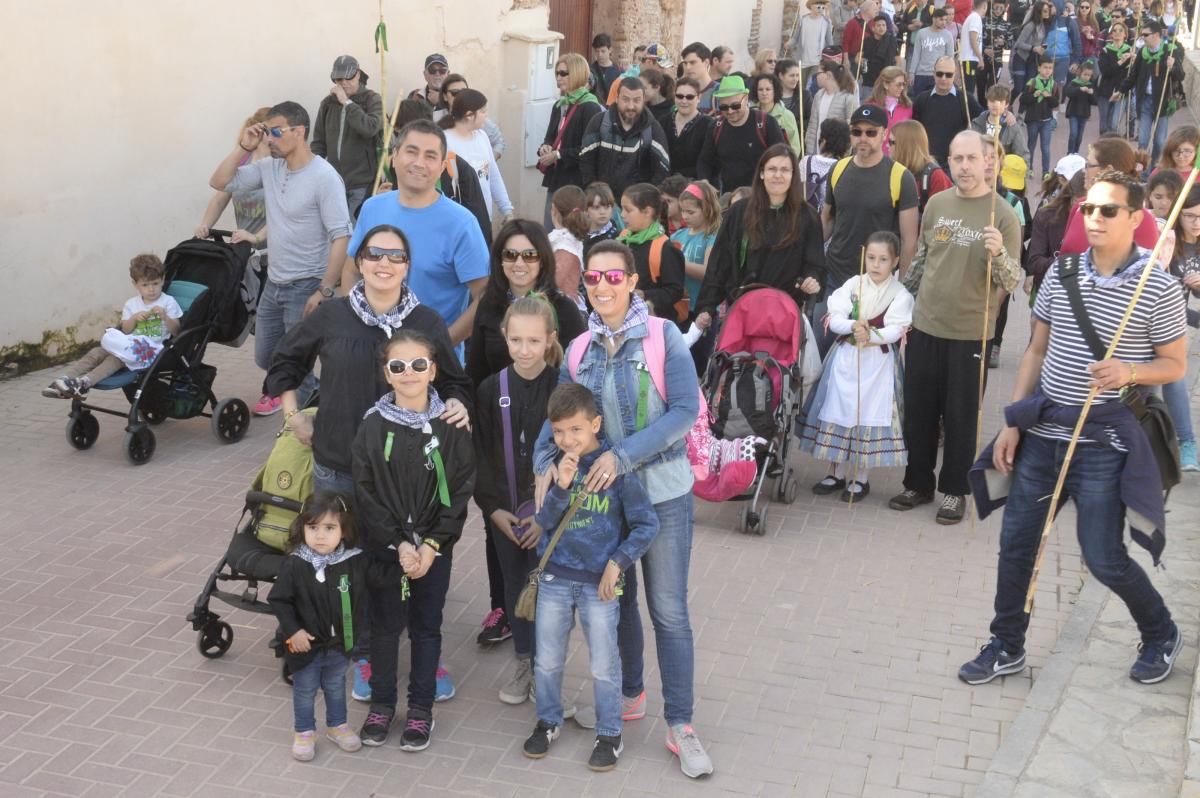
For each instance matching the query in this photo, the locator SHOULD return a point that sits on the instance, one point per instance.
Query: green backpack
(288, 474)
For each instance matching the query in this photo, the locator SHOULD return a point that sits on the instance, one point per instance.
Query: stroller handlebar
(261, 497)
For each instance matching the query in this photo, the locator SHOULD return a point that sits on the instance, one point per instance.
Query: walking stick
(862, 42)
(381, 47)
(388, 129)
(1091, 397)
(862, 268)
(1132, 39)
(1170, 48)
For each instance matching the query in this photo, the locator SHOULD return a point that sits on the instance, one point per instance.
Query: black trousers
(941, 384)
(494, 571)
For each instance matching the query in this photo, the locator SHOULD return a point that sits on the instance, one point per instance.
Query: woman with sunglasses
(646, 432)
(688, 129)
(558, 156)
(891, 94)
(836, 98)
(774, 238)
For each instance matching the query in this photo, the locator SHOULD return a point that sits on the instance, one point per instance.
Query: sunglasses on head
(511, 255)
(944, 74)
(612, 276)
(375, 254)
(1108, 210)
(869, 132)
(679, 96)
(723, 107)
(562, 73)
(419, 365)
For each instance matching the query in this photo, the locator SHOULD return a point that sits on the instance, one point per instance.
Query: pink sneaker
(304, 746)
(344, 737)
(268, 406)
(633, 708)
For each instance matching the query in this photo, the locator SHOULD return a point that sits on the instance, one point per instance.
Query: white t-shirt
(154, 328)
(974, 22)
(477, 151)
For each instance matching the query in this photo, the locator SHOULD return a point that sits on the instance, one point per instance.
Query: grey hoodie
(928, 45)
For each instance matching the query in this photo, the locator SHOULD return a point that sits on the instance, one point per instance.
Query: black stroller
(208, 280)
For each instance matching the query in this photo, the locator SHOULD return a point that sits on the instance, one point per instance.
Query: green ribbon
(347, 612)
(433, 452)
(580, 95)
(381, 36)
(387, 447)
(404, 588)
(643, 395)
(642, 236)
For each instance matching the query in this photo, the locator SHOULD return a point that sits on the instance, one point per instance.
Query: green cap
(730, 86)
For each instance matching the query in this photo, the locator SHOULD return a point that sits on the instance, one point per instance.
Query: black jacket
(685, 145)
(396, 487)
(663, 293)
(528, 413)
(489, 351)
(1038, 109)
(731, 154)
(351, 377)
(299, 601)
(566, 171)
(878, 53)
(783, 268)
(622, 157)
(944, 117)
(462, 186)
(1112, 73)
(349, 136)
(1153, 76)
(1079, 102)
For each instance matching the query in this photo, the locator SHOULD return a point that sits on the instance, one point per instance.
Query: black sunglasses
(562, 73)
(1108, 210)
(944, 74)
(375, 254)
(419, 365)
(723, 107)
(869, 132)
(685, 96)
(511, 255)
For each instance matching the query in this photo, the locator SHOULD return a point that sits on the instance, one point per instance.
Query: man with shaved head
(949, 279)
(942, 110)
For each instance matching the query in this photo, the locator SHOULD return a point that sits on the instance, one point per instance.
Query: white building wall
(727, 22)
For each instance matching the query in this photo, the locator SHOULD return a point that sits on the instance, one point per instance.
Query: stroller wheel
(82, 430)
(139, 445)
(230, 420)
(786, 489)
(214, 639)
(760, 528)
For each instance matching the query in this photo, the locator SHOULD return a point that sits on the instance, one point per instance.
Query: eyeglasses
(419, 365)
(1190, 218)
(375, 254)
(511, 255)
(277, 132)
(1108, 210)
(592, 277)
(437, 70)
(562, 73)
(688, 97)
(944, 74)
(724, 107)
(869, 132)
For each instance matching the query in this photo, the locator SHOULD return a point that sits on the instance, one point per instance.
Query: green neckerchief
(1155, 57)
(1118, 51)
(1081, 82)
(641, 237)
(1043, 84)
(580, 95)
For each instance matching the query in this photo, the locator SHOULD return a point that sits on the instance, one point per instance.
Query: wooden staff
(987, 300)
(862, 41)
(1170, 48)
(1131, 37)
(1091, 397)
(381, 47)
(388, 129)
(862, 269)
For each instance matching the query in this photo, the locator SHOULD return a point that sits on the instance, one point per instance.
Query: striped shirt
(1158, 319)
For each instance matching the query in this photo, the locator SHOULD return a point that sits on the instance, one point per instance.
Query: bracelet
(244, 149)
(433, 544)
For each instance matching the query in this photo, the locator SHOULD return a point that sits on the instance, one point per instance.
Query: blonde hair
(760, 62)
(879, 92)
(709, 203)
(911, 149)
(538, 305)
(577, 70)
(258, 117)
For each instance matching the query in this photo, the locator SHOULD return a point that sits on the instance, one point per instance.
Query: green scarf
(1081, 82)
(580, 95)
(1117, 51)
(1042, 84)
(642, 236)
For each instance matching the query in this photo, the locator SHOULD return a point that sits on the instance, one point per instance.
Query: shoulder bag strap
(562, 525)
(510, 468)
(1068, 275)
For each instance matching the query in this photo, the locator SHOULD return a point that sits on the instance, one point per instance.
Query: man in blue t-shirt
(449, 257)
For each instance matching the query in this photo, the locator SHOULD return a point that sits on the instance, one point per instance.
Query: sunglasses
(277, 132)
(869, 132)
(685, 96)
(944, 74)
(723, 107)
(375, 254)
(1108, 210)
(562, 73)
(612, 276)
(437, 70)
(511, 255)
(419, 365)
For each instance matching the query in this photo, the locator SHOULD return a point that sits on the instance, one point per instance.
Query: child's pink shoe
(304, 746)
(344, 737)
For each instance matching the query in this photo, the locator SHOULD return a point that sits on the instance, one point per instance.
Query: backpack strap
(1068, 275)
(510, 467)
(760, 127)
(717, 128)
(896, 181)
(576, 350)
(654, 348)
(836, 172)
(656, 249)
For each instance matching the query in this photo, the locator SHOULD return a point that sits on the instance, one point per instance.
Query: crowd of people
(879, 170)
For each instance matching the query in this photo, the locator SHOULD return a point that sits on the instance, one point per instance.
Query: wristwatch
(326, 291)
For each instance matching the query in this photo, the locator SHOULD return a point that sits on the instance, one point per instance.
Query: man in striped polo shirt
(1109, 476)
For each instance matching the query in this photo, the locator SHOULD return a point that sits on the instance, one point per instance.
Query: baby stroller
(753, 388)
(256, 551)
(207, 279)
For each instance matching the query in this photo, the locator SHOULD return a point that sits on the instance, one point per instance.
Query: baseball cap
(659, 53)
(871, 114)
(1068, 165)
(1012, 172)
(436, 58)
(344, 68)
(730, 86)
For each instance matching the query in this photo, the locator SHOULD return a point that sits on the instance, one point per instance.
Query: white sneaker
(683, 742)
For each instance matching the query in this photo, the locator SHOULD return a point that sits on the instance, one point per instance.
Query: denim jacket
(656, 454)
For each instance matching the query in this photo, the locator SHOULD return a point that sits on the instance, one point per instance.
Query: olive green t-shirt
(952, 291)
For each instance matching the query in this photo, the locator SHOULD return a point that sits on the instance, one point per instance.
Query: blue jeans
(1175, 394)
(1044, 131)
(1092, 482)
(921, 83)
(1112, 114)
(280, 308)
(1146, 113)
(1062, 71)
(665, 569)
(558, 598)
(1078, 123)
(331, 481)
(327, 672)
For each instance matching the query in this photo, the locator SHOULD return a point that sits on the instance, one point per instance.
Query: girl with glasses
(1179, 153)
(1186, 266)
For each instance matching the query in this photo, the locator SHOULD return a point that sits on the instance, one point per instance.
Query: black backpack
(740, 395)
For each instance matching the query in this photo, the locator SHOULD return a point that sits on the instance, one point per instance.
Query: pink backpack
(699, 438)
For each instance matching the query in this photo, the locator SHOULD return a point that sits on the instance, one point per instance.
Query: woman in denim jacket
(613, 367)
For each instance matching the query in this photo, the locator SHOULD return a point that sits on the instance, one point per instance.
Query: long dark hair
(1192, 200)
(467, 101)
(758, 206)
(496, 292)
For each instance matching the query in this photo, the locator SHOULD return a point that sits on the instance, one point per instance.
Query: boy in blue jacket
(609, 531)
